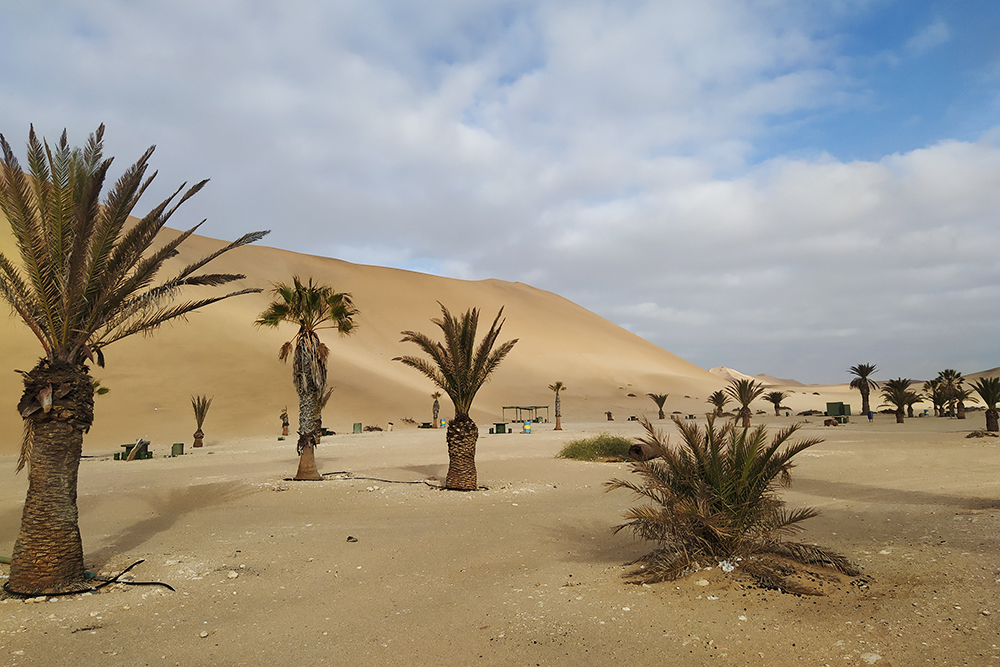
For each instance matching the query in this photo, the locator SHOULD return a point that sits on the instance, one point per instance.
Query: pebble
(233, 574)
(701, 582)
(204, 633)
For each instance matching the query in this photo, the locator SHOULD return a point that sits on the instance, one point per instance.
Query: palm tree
(962, 394)
(936, 394)
(309, 306)
(201, 404)
(912, 398)
(989, 390)
(557, 387)
(436, 408)
(324, 398)
(744, 392)
(719, 400)
(897, 393)
(659, 399)
(951, 381)
(776, 397)
(863, 383)
(87, 278)
(715, 498)
(459, 367)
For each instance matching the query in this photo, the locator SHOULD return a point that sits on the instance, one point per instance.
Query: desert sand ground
(526, 572)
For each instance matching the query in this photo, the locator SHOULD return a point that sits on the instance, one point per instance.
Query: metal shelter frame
(523, 413)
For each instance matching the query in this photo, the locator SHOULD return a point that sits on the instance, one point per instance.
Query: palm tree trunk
(48, 552)
(558, 413)
(993, 420)
(307, 436)
(745, 414)
(961, 410)
(199, 436)
(435, 410)
(899, 416)
(462, 436)
(865, 405)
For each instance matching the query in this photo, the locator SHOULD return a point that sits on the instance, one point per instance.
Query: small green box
(357, 427)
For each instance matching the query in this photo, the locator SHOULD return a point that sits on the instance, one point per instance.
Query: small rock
(701, 582)
(233, 574)
(351, 538)
(204, 633)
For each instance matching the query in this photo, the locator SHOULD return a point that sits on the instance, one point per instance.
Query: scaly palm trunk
(462, 436)
(307, 435)
(48, 553)
(961, 410)
(558, 413)
(746, 414)
(992, 420)
(199, 438)
(436, 410)
(899, 415)
(865, 405)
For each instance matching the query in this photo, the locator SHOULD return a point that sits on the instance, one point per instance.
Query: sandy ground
(524, 573)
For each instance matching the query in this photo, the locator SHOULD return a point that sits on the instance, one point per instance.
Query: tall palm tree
(87, 277)
(459, 367)
(744, 392)
(436, 408)
(951, 381)
(312, 307)
(659, 399)
(989, 390)
(200, 404)
(719, 400)
(863, 383)
(776, 397)
(897, 393)
(557, 387)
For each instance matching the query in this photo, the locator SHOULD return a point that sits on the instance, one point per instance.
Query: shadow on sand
(882, 495)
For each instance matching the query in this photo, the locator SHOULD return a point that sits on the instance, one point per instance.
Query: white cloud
(928, 38)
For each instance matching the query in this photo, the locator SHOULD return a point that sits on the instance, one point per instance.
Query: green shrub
(714, 498)
(603, 447)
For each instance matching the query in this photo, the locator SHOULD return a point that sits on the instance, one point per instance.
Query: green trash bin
(177, 449)
(357, 427)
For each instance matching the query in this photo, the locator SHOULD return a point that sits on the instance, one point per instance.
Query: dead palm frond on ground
(714, 498)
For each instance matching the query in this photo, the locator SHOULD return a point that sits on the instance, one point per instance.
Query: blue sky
(774, 185)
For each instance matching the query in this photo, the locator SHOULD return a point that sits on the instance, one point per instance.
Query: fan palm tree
(863, 383)
(87, 278)
(719, 400)
(459, 367)
(201, 404)
(897, 393)
(659, 399)
(989, 390)
(312, 307)
(776, 397)
(744, 392)
(436, 408)
(715, 498)
(558, 387)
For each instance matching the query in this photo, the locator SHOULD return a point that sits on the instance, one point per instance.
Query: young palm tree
(863, 383)
(201, 404)
(715, 498)
(557, 387)
(309, 306)
(989, 390)
(962, 394)
(936, 394)
(912, 398)
(745, 392)
(897, 393)
(436, 408)
(659, 399)
(459, 367)
(87, 277)
(719, 400)
(776, 397)
(951, 382)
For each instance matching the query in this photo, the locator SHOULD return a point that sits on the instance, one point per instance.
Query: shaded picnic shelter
(523, 413)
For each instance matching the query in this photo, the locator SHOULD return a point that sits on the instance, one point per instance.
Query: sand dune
(219, 352)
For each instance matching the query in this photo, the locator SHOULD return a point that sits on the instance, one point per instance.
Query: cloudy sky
(772, 185)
